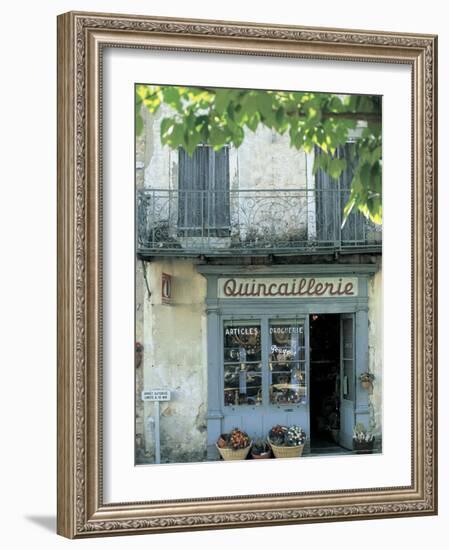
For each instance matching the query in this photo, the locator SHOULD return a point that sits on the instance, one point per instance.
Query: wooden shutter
(331, 197)
(218, 199)
(203, 208)
(354, 229)
(327, 223)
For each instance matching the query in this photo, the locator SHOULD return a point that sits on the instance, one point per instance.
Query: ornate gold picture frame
(83, 39)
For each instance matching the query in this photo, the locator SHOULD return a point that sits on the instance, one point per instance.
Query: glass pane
(242, 363)
(287, 383)
(348, 380)
(348, 351)
(348, 358)
(242, 386)
(287, 379)
(241, 342)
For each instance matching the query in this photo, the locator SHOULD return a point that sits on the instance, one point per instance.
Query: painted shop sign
(287, 287)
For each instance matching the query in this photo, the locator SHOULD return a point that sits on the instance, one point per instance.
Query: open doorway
(324, 382)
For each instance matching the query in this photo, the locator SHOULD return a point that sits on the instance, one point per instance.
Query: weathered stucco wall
(140, 419)
(265, 159)
(175, 359)
(141, 150)
(160, 162)
(375, 345)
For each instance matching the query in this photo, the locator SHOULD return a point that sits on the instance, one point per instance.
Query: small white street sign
(156, 395)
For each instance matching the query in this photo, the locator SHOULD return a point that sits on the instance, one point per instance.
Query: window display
(287, 362)
(252, 377)
(242, 364)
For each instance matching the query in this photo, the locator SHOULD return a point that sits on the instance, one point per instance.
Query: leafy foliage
(221, 116)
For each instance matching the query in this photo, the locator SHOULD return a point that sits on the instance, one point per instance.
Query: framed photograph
(246, 274)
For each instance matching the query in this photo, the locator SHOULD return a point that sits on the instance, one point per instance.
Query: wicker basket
(286, 452)
(231, 454)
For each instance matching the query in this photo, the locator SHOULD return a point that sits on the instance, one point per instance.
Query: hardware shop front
(286, 345)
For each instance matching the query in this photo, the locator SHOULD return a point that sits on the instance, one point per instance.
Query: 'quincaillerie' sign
(287, 287)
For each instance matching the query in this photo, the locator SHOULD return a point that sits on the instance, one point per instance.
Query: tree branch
(367, 117)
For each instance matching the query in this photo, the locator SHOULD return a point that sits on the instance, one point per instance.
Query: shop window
(203, 192)
(264, 365)
(287, 370)
(242, 364)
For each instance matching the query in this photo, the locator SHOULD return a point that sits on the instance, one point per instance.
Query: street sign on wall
(156, 395)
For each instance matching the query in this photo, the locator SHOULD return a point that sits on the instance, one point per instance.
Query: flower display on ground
(287, 436)
(361, 434)
(236, 439)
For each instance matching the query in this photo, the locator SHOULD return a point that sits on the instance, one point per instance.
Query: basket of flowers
(362, 439)
(234, 445)
(287, 442)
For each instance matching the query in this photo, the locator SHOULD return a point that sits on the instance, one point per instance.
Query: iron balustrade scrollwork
(248, 221)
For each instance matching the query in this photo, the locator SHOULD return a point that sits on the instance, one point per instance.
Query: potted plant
(287, 442)
(261, 449)
(366, 381)
(234, 445)
(362, 439)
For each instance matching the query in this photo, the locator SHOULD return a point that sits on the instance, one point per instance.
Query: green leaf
(172, 97)
(250, 104)
(166, 125)
(265, 107)
(347, 210)
(217, 137)
(365, 174)
(175, 138)
(222, 99)
(139, 123)
(336, 167)
(253, 122)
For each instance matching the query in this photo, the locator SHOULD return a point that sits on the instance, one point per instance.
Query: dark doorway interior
(324, 382)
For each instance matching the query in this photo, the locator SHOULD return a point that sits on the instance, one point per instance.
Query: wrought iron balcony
(250, 222)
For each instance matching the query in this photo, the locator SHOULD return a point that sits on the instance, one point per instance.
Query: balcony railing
(235, 222)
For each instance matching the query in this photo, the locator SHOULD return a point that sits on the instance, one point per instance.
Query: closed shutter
(353, 231)
(327, 197)
(331, 198)
(203, 208)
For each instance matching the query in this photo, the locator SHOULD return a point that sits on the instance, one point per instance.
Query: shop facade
(259, 346)
(255, 346)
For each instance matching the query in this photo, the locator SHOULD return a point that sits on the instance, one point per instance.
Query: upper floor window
(331, 197)
(203, 205)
